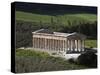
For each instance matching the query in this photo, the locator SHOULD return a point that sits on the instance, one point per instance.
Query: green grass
(35, 61)
(73, 18)
(20, 52)
(91, 43)
(32, 17)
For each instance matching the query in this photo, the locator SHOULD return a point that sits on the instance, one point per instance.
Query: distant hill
(63, 19)
(45, 13)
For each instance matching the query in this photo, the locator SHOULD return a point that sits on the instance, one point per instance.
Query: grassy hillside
(63, 19)
(34, 61)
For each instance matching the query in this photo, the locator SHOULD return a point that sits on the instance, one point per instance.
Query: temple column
(59, 45)
(81, 45)
(70, 45)
(43, 43)
(33, 42)
(73, 47)
(84, 45)
(53, 45)
(56, 45)
(45, 40)
(67, 44)
(63, 45)
(49, 44)
(77, 44)
(61, 49)
(37, 42)
(40, 43)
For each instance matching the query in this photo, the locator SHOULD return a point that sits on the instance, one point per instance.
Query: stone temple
(47, 40)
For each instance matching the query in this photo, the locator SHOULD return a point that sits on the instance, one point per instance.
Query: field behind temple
(63, 19)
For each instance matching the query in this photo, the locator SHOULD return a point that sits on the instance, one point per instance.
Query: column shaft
(77, 45)
(80, 45)
(33, 42)
(73, 45)
(70, 45)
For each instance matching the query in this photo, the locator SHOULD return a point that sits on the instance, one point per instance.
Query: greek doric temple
(45, 39)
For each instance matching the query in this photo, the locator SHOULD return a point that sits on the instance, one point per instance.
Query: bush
(54, 53)
(88, 58)
(71, 60)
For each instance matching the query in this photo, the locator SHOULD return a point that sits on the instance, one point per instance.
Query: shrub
(54, 53)
(71, 60)
(88, 58)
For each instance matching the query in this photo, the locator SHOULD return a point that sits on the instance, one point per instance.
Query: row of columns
(75, 45)
(49, 44)
(58, 45)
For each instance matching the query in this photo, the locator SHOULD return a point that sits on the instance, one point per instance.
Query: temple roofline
(69, 35)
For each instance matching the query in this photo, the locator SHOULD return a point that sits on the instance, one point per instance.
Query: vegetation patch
(33, 17)
(34, 61)
(91, 43)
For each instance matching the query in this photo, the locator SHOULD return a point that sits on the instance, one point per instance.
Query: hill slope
(64, 19)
